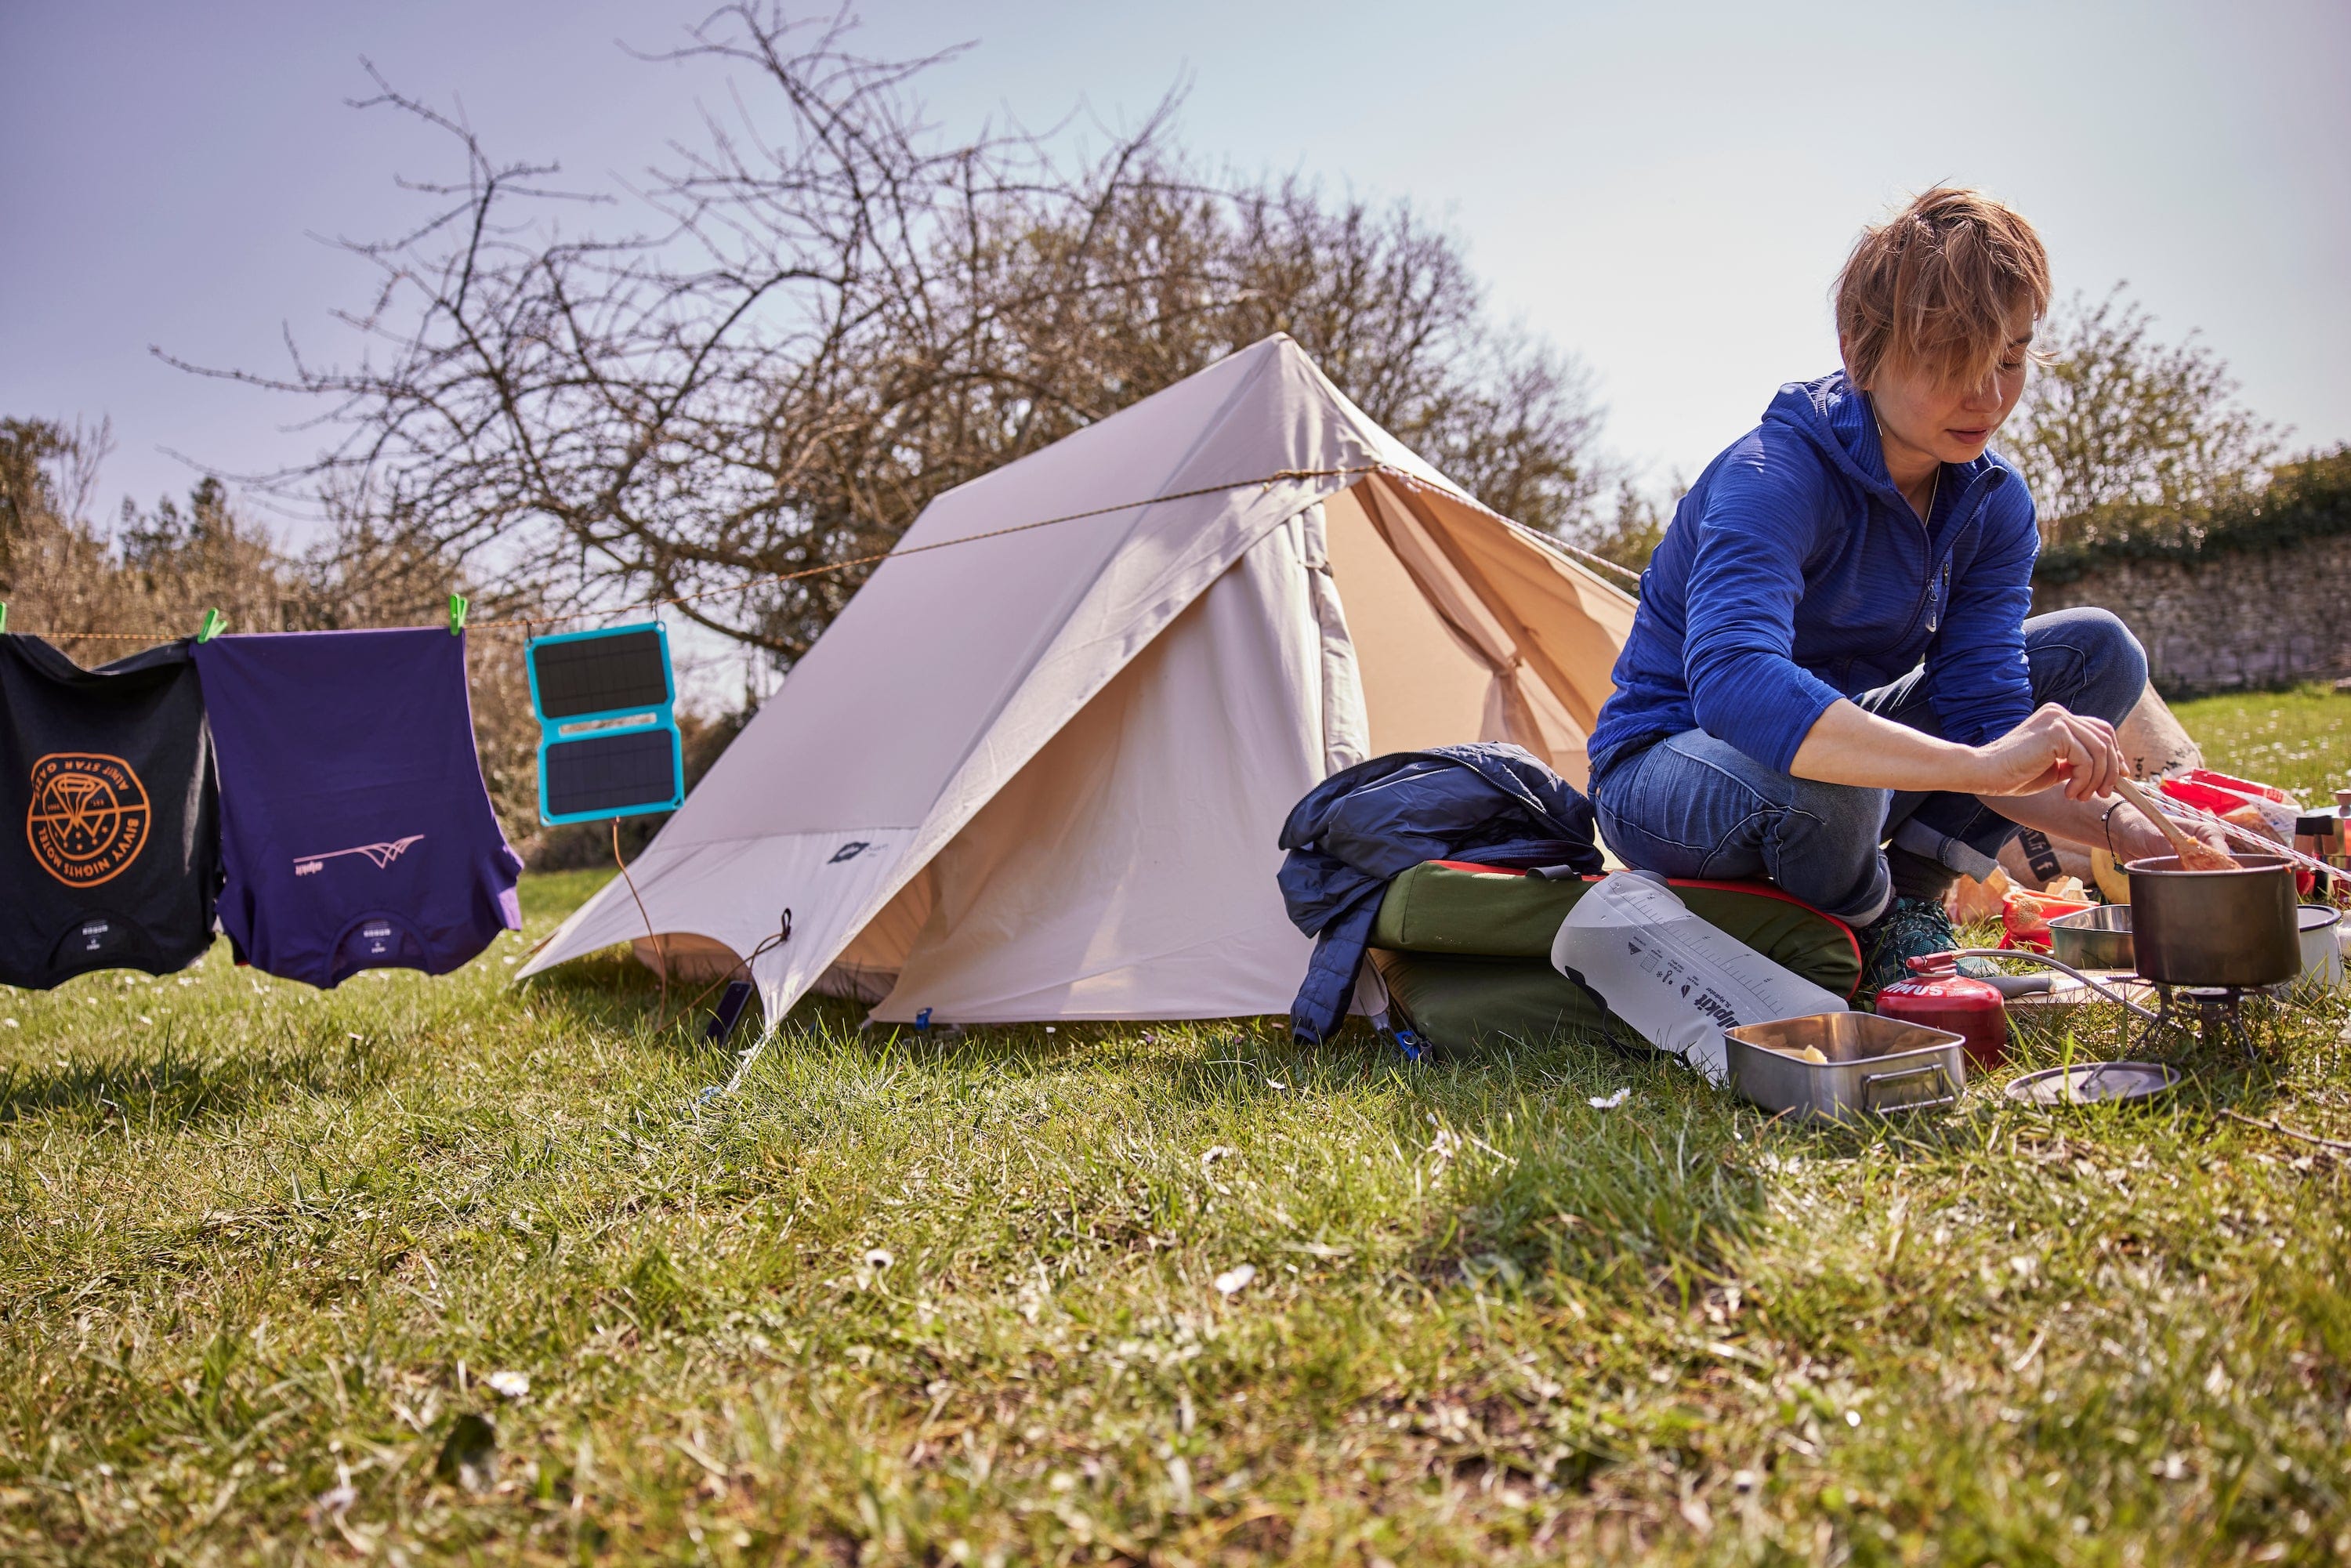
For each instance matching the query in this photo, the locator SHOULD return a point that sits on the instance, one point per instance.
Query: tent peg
(213, 621)
(457, 608)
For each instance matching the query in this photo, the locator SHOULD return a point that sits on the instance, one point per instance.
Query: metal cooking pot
(2215, 927)
(2096, 939)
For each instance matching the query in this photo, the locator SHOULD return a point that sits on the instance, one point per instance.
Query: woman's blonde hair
(1934, 287)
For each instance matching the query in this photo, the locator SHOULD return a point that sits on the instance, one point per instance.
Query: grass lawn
(2298, 739)
(445, 1268)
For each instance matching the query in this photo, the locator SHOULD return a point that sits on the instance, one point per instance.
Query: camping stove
(2217, 1012)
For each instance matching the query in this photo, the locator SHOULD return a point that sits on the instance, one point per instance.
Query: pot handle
(1873, 1101)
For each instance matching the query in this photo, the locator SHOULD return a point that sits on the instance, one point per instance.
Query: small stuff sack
(1677, 980)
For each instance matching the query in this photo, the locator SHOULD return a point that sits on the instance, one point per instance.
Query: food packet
(2254, 819)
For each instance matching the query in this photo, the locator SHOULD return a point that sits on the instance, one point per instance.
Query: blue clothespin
(213, 621)
(457, 608)
(923, 1021)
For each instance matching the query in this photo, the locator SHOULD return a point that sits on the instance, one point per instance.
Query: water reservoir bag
(1677, 980)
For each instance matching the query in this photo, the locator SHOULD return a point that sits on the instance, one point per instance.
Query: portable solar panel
(608, 740)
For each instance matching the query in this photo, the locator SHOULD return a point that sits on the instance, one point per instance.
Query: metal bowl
(2215, 927)
(2096, 939)
(1875, 1065)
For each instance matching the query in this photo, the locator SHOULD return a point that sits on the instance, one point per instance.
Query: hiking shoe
(1910, 929)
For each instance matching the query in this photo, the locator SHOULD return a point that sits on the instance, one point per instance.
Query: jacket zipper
(1926, 595)
(1929, 610)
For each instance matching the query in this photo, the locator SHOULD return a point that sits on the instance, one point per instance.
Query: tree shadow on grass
(1649, 1195)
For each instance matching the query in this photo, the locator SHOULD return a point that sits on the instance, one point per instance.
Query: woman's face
(1952, 423)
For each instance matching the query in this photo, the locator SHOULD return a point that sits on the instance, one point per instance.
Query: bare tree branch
(833, 311)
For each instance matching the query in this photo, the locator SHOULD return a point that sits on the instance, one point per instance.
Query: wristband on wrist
(2107, 828)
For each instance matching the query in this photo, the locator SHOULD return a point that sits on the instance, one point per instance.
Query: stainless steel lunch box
(1876, 1066)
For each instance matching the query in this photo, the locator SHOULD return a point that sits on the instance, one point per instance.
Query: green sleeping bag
(1466, 950)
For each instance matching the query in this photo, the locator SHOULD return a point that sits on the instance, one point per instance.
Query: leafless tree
(830, 311)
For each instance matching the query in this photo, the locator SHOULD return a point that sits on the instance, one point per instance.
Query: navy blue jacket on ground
(1795, 573)
(1359, 828)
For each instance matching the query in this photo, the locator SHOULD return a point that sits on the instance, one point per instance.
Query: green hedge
(2306, 500)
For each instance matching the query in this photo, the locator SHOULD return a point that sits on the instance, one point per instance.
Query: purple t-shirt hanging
(355, 829)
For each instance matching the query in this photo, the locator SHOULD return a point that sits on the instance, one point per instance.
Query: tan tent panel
(1039, 775)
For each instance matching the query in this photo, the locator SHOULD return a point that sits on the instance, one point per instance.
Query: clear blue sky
(1665, 189)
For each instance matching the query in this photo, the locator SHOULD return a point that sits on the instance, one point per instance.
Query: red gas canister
(1939, 997)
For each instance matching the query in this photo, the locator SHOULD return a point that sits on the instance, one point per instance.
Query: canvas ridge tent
(1040, 776)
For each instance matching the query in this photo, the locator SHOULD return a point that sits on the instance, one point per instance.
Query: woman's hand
(2132, 837)
(2052, 747)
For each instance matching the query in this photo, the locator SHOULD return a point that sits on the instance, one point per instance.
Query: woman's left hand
(2135, 838)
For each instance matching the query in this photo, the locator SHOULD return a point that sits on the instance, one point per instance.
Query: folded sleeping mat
(1466, 950)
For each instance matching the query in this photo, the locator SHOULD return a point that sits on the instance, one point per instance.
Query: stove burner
(2217, 1011)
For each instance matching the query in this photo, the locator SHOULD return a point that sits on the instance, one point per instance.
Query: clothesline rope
(527, 622)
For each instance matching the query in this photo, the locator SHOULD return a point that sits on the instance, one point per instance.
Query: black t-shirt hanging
(110, 822)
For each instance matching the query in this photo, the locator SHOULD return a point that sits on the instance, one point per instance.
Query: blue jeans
(1692, 806)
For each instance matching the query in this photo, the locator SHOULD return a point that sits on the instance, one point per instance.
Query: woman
(1832, 652)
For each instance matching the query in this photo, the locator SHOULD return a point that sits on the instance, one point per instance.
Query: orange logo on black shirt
(89, 817)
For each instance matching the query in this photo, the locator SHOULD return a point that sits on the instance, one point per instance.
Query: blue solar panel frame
(596, 759)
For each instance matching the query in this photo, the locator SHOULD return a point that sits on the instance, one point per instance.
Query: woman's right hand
(2053, 746)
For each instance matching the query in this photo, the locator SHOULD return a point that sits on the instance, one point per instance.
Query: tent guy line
(527, 622)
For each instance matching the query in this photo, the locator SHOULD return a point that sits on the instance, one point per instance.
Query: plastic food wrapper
(2261, 809)
(1677, 980)
(2245, 787)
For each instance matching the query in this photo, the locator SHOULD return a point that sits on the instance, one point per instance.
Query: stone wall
(2235, 618)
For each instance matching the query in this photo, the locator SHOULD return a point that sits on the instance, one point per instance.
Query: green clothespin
(213, 621)
(3, 615)
(457, 608)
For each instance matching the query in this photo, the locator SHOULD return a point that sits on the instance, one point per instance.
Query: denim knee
(1846, 813)
(2110, 670)
(1824, 847)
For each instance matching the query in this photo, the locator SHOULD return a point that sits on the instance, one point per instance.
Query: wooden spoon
(2194, 854)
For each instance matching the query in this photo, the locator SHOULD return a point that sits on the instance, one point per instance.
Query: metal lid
(2094, 1083)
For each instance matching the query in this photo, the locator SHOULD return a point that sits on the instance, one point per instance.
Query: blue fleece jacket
(1795, 573)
